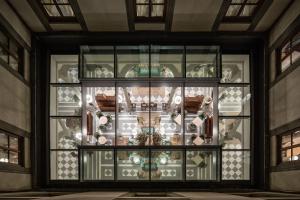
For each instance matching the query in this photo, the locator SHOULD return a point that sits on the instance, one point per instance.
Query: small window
(290, 52)
(11, 54)
(242, 10)
(150, 10)
(290, 146)
(9, 148)
(58, 9)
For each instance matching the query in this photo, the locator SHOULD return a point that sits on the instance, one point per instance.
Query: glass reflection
(98, 61)
(133, 61)
(166, 61)
(166, 165)
(98, 165)
(201, 61)
(234, 101)
(65, 101)
(201, 165)
(234, 133)
(198, 115)
(133, 165)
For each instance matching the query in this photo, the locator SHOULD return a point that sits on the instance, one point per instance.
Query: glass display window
(99, 115)
(97, 62)
(166, 61)
(133, 61)
(98, 165)
(202, 61)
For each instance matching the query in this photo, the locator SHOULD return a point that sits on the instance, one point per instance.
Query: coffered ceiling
(168, 15)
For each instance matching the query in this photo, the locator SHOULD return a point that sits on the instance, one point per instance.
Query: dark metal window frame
(278, 52)
(8, 149)
(18, 56)
(61, 18)
(149, 18)
(242, 19)
(280, 149)
(180, 80)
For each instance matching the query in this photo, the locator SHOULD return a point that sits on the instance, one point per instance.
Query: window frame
(8, 149)
(17, 56)
(278, 53)
(61, 18)
(240, 18)
(290, 147)
(150, 18)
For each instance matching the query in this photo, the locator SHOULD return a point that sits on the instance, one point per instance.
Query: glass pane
(235, 69)
(65, 133)
(166, 115)
(166, 165)
(236, 165)
(286, 56)
(133, 165)
(296, 137)
(201, 61)
(63, 165)
(296, 153)
(234, 101)
(248, 10)
(296, 48)
(201, 165)
(62, 1)
(142, 1)
(286, 155)
(237, 1)
(3, 140)
(157, 11)
(286, 141)
(133, 61)
(133, 116)
(64, 69)
(233, 10)
(157, 1)
(166, 61)
(234, 133)
(3, 39)
(51, 10)
(3, 55)
(13, 157)
(13, 48)
(13, 63)
(98, 62)
(14, 143)
(65, 101)
(100, 115)
(66, 10)
(199, 113)
(3, 155)
(98, 165)
(142, 10)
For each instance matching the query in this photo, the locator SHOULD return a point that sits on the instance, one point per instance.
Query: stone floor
(149, 196)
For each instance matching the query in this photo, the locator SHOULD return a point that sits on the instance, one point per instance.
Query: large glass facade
(131, 113)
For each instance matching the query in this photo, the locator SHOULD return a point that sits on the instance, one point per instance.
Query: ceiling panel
(26, 12)
(233, 27)
(149, 26)
(271, 15)
(195, 15)
(104, 15)
(66, 27)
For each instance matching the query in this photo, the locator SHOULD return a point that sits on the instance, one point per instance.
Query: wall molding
(13, 168)
(13, 129)
(285, 128)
